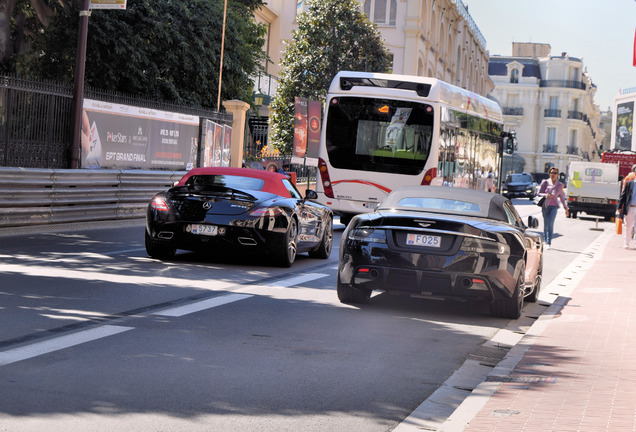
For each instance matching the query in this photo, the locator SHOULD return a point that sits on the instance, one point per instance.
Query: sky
(599, 32)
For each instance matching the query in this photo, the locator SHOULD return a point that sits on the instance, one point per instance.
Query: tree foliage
(332, 35)
(167, 50)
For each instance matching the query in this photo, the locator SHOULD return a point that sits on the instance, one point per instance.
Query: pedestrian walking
(627, 211)
(552, 189)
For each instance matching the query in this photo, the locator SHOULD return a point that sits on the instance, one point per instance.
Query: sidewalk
(576, 369)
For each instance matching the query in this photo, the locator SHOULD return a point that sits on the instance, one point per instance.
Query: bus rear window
(379, 135)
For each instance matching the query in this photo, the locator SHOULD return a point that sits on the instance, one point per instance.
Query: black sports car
(238, 209)
(519, 185)
(443, 242)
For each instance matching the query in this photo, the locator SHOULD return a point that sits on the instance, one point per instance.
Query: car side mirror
(533, 222)
(311, 194)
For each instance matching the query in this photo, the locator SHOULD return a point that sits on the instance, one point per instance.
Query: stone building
(435, 38)
(549, 102)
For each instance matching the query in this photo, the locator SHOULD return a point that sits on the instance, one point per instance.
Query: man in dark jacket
(627, 210)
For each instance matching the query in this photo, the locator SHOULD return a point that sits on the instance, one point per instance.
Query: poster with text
(218, 145)
(118, 136)
(314, 121)
(227, 146)
(624, 125)
(300, 128)
(208, 143)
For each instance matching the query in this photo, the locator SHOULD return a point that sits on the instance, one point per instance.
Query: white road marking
(59, 343)
(229, 298)
(296, 280)
(66, 341)
(202, 305)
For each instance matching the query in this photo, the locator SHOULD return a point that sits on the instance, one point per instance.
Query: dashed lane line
(59, 343)
(180, 311)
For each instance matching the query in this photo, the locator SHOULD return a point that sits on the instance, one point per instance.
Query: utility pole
(218, 101)
(78, 92)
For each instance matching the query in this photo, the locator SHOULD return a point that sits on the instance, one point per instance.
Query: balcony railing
(512, 111)
(470, 22)
(577, 115)
(572, 150)
(550, 148)
(552, 113)
(562, 83)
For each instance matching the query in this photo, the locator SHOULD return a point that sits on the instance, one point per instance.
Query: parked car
(238, 209)
(519, 185)
(443, 242)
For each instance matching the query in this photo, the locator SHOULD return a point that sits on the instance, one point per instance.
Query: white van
(593, 188)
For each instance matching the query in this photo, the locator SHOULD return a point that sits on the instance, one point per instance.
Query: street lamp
(218, 101)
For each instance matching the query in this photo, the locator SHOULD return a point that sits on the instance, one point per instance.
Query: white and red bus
(383, 131)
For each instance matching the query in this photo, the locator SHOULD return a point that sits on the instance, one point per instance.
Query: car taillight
(429, 176)
(324, 177)
(475, 245)
(266, 212)
(159, 204)
(370, 235)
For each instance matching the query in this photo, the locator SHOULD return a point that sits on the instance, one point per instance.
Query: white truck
(593, 188)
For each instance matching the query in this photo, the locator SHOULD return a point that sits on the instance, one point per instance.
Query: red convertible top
(273, 180)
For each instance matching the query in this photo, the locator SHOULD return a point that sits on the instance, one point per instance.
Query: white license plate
(423, 240)
(206, 230)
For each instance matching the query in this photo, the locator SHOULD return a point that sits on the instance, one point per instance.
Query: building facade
(434, 38)
(549, 102)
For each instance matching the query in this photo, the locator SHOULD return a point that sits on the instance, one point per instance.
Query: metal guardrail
(31, 196)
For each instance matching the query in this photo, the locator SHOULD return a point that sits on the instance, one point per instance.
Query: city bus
(383, 131)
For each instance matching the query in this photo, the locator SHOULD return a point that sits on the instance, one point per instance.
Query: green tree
(332, 35)
(167, 50)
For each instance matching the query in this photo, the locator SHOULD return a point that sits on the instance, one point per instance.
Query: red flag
(634, 60)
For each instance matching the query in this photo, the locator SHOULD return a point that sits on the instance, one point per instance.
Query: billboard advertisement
(217, 140)
(624, 125)
(300, 130)
(125, 137)
(314, 122)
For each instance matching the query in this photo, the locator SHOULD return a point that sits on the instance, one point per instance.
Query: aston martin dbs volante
(443, 242)
(237, 209)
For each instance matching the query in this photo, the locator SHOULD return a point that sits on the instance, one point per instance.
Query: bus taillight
(324, 177)
(429, 176)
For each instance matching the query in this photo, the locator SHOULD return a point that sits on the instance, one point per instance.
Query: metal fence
(36, 120)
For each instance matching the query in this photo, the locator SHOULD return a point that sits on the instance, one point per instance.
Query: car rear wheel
(159, 250)
(324, 249)
(348, 294)
(510, 307)
(287, 255)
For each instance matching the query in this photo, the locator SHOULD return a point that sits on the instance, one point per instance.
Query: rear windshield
(381, 135)
(519, 178)
(234, 182)
(436, 204)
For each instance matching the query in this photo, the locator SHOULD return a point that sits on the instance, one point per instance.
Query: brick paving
(579, 374)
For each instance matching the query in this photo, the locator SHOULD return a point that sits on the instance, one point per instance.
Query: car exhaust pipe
(247, 241)
(165, 235)
(374, 273)
(466, 282)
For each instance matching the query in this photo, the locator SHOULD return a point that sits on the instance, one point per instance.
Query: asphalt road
(96, 336)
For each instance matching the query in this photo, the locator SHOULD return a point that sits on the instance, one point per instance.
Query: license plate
(423, 240)
(206, 230)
